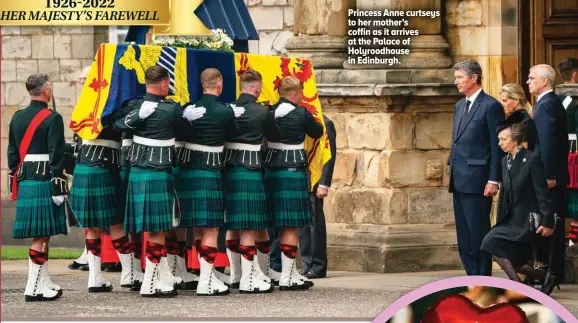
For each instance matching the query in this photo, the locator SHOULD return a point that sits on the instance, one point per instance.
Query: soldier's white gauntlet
(193, 113)
(146, 109)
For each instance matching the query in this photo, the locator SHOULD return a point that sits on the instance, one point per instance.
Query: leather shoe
(312, 275)
(304, 271)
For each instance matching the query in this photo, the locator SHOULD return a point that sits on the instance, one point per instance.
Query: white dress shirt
(543, 93)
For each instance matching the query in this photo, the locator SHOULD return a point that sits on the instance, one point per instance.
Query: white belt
(127, 142)
(280, 146)
(36, 157)
(240, 146)
(203, 148)
(179, 144)
(571, 136)
(153, 142)
(102, 142)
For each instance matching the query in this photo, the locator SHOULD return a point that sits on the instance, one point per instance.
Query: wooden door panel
(562, 8)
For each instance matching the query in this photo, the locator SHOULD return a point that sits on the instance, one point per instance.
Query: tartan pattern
(94, 197)
(149, 201)
(572, 203)
(201, 198)
(36, 213)
(124, 171)
(288, 198)
(245, 200)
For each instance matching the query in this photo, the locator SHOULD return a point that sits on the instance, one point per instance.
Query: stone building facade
(389, 209)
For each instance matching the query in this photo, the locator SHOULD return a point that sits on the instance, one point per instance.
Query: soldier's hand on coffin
(58, 199)
(146, 109)
(238, 110)
(193, 113)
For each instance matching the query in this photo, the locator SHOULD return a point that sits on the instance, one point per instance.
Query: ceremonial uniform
(571, 106)
(246, 204)
(39, 174)
(287, 183)
(200, 185)
(151, 198)
(98, 200)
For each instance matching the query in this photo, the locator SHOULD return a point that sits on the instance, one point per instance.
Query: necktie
(467, 111)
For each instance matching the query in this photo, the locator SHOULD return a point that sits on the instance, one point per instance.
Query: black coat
(531, 132)
(524, 190)
(550, 119)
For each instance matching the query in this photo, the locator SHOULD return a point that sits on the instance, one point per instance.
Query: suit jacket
(524, 190)
(327, 172)
(550, 118)
(475, 155)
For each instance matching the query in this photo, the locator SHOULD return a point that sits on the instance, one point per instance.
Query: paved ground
(345, 295)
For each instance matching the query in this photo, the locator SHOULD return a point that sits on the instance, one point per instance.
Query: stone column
(427, 50)
(320, 29)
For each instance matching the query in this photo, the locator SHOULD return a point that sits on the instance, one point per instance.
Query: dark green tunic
(286, 181)
(151, 200)
(200, 186)
(245, 197)
(36, 214)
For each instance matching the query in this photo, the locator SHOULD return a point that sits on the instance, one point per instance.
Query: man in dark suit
(313, 239)
(550, 119)
(474, 165)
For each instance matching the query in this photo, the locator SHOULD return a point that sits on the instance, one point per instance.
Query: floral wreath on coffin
(219, 41)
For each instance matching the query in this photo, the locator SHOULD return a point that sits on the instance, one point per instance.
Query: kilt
(124, 171)
(201, 198)
(150, 200)
(572, 203)
(94, 197)
(288, 198)
(245, 200)
(36, 214)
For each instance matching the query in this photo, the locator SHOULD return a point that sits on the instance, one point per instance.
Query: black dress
(524, 189)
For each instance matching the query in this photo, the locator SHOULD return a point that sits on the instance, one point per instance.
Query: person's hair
(518, 131)
(547, 72)
(156, 74)
(289, 84)
(470, 67)
(210, 77)
(515, 92)
(35, 83)
(249, 77)
(566, 67)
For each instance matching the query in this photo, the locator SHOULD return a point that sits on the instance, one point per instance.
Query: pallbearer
(246, 204)
(97, 199)
(286, 179)
(200, 178)
(151, 199)
(35, 159)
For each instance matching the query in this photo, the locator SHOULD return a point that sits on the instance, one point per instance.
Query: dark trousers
(275, 251)
(472, 215)
(313, 240)
(560, 207)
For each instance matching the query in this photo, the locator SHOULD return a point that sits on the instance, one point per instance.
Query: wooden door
(549, 33)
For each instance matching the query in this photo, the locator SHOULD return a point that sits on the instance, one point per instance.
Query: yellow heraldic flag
(85, 120)
(273, 69)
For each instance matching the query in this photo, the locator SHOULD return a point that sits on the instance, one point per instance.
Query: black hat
(517, 116)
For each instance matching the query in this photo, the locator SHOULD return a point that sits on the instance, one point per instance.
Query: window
(116, 34)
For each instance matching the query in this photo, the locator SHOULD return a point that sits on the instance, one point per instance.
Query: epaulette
(171, 101)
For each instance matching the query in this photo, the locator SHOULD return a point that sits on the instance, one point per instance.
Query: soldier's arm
(183, 127)
(56, 147)
(272, 130)
(13, 155)
(127, 117)
(313, 128)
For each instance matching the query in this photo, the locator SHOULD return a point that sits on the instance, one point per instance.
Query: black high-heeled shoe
(548, 286)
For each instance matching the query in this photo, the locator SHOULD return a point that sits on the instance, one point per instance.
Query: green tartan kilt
(36, 214)
(245, 200)
(573, 203)
(201, 198)
(150, 200)
(288, 198)
(124, 172)
(95, 197)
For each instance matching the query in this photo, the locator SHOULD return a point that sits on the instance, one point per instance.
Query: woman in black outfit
(524, 190)
(513, 99)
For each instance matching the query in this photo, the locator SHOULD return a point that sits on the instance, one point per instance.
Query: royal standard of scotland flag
(118, 74)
